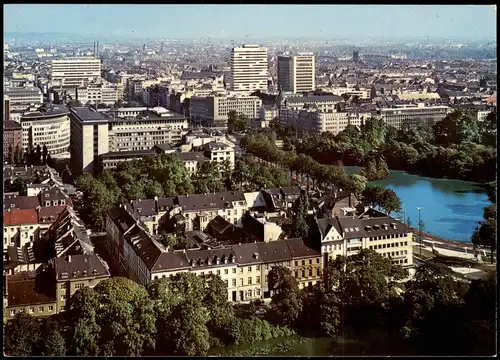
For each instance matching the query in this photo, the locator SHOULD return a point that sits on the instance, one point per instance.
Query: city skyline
(460, 22)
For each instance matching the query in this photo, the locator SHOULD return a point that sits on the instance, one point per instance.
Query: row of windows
(31, 310)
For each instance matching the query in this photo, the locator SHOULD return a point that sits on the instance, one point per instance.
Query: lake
(451, 209)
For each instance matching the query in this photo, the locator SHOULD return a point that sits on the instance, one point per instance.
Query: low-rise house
(348, 235)
(20, 227)
(226, 232)
(75, 272)
(260, 228)
(219, 152)
(305, 264)
(20, 202)
(249, 272)
(30, 292)
(52, 197)
(220, 262)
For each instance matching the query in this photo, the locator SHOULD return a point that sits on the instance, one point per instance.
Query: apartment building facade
(75, 71)
(297, 73)
(408, 117)
(12, 137)
(345, 236)
(249, 66)
(217, 108)
(21, 98)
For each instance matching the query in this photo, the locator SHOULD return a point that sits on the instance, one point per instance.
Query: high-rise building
(89, 139)
(355, 56)
(248, 68)
(75, 71)
(297, 73)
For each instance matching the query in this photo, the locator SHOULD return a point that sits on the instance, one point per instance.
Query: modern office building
(49, 126)
(89, 139)
(248, 68)
(75, 71)
(216, 108)
(21, 98)
(325, 103)
(99, 92)
(143, 129)
(297, 73)
(407, 117)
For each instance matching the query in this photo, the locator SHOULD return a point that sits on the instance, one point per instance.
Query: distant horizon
(340, 22)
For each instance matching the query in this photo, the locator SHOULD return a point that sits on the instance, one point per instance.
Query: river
(451, 209)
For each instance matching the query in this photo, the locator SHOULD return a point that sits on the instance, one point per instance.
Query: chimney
(69, 258)
(184, 251)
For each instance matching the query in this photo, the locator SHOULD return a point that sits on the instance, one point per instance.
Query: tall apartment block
(248, 69)
(75, 71)
(297, 73)
(89, 139)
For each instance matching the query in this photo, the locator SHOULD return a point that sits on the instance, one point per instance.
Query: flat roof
(88, 115)
(299, 99)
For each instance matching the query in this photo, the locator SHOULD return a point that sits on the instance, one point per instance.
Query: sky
(453, 22)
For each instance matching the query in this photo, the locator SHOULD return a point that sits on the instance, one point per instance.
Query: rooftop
(87, 115)
(19, 217)
(30, 288)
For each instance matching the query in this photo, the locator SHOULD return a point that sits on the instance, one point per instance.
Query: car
(260, 312)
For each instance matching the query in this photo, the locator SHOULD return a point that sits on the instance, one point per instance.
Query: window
(303, 262)
(257, 292)
(202, 273)
(249, 281)
(78, 286)
(296, 274)
(226, 282)
(156, 277)
(310, 261)
(296, 263)
(266, 278)
(234, 270)
(241, 282)
(210, 272)
(218, 272)
(266, 266)
(63, 297)
(31, 310)
(257, 280)
(310, 272)
(249, 269)
(258, 267)
(317, 261)
(233, 282)
(226, 271)
(241, 270)
(12, 312)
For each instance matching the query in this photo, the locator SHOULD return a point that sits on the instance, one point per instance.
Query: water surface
(451, 208)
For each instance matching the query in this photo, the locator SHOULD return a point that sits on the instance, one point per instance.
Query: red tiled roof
(20, 217)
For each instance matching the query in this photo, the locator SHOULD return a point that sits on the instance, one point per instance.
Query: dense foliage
(188, 314)
(183, 315)
(165, 175)
(263, 147)
(458, 147)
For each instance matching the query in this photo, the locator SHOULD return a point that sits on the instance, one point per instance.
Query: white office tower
(297, 73)
(75, 71)
(248, 69)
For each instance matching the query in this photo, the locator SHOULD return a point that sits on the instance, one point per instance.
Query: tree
(208, 178)
(52, 342)
(22, 335)
(10, 155)
(390, 201)
(38, 154)
(83, 317)
(18, 155)
(374, 132)
(356, 184)
(372, 194)
(287, 299)
(45, 152)
(300, 223)
(486, 236)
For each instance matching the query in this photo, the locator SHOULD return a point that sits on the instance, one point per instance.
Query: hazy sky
(259, 21)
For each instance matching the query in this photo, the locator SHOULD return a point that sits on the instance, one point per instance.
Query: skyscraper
(355, 56)
(297, 73)
(248, 68)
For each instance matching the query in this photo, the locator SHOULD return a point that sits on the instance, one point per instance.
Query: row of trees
(457, 147)
(184, 315)
(262, 147)
(32, 156)
(432, 312)
(165, 175)
(485, 234)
